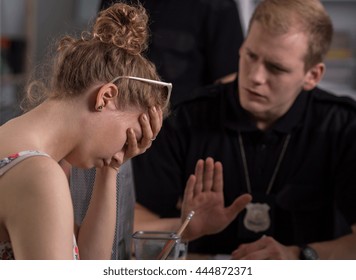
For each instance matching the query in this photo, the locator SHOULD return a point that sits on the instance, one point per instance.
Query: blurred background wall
(29, 27)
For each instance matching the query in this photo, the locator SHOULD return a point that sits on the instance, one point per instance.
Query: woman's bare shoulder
(38, 208)
(36, 181)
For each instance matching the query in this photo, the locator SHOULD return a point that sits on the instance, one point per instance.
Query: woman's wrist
(106, 171)
(106, 177)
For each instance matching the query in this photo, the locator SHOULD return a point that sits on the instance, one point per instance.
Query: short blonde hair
(309, 16)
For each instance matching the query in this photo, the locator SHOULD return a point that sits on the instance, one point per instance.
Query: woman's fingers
(131, 144)
(147, 134)
(156, 121)
(150, 127)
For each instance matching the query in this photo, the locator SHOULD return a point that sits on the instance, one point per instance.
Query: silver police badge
(257, 217)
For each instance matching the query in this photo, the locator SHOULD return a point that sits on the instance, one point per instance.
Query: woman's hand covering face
(150, 126)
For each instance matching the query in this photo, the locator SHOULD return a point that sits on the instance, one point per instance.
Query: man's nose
(258, 74)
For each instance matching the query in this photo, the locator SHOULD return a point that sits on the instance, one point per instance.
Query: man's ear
(106, 93)
(313, 76)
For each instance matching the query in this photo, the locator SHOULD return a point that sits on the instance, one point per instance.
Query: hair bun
(124, 26)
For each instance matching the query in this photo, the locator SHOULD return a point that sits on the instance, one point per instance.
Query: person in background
(104, 105)
(193, 43)
(280, 138)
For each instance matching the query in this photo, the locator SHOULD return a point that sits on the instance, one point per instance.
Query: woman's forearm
(96, 233)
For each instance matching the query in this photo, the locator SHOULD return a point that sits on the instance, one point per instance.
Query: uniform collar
(236, 118)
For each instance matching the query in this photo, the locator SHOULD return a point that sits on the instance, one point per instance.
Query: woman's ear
(106, 93)
(314, 76)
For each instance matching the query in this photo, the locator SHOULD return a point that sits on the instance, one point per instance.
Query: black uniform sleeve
(159, 173)
(345, 177)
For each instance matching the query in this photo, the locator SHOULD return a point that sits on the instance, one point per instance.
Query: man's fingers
(218, 183)
(238, 205)
(189, 189)
(199, 171)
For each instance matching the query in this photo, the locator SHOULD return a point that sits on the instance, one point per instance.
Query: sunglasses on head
(167, 85)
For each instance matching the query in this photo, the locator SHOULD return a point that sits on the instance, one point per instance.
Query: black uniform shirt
(314, 194)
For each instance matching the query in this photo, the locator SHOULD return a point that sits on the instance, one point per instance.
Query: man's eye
(251, 55)
(276, 69)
